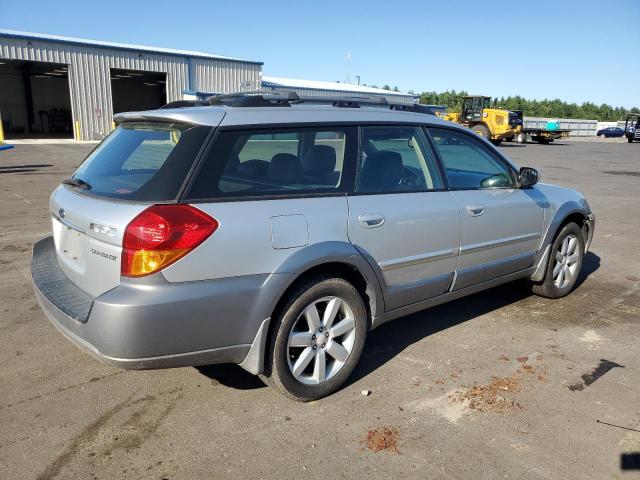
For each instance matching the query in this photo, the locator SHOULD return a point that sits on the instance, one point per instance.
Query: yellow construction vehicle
(495, 124)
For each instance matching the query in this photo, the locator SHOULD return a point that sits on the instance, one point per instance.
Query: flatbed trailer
(542, 135)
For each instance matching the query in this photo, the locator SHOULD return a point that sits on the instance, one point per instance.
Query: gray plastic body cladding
(566, 209)
(495, 269)
(450, 296)
(231, 354)
(335, 252)
(149, 318)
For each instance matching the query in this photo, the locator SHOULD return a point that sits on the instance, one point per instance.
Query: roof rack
(286, 98)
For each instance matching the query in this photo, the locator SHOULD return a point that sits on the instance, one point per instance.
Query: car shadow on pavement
(390, 339)
(232, 376)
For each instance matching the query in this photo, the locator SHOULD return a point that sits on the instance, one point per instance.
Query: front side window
(396, 159)
(469, 165)
(273, 162)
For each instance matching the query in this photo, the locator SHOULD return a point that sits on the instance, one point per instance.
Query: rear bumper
(151, 323)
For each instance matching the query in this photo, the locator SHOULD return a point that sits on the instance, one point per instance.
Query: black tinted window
(468, 163)
(396, 159)
(263, 162)
(142, 161)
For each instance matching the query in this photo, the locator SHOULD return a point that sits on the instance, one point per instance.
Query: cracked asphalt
(502, 384)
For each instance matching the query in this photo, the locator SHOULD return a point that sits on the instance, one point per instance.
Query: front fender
(565, 210)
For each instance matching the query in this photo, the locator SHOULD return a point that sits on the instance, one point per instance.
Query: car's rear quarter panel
(253, 236)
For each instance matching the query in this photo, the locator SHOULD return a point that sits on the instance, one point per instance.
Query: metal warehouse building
(325, 89)
(53, 86)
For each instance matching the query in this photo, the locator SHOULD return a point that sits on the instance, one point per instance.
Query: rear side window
(469, 165)
(142, 161)
(274, 162)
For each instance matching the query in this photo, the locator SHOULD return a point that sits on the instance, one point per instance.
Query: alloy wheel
(566, 261)
(321, 340)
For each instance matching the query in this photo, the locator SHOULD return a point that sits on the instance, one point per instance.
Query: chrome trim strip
(417, 259)
(68, 224)
(476, 247)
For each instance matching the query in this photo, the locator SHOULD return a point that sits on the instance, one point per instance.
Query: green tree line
(535, 108)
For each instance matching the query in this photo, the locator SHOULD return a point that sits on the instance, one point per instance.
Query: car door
(400, 216)
(501, 224)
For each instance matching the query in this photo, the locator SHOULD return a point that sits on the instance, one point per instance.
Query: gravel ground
(502, 384)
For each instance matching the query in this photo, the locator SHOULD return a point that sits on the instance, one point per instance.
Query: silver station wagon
(274, 232)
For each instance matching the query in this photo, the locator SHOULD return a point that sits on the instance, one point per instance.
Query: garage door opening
(134, 90)
(34, 100)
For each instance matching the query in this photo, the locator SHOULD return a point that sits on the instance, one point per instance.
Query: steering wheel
(410, 178)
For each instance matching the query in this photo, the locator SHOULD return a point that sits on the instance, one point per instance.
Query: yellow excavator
(495, 124)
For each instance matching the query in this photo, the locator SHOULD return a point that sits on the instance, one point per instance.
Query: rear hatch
(138, 165)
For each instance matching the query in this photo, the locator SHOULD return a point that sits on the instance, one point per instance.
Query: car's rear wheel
(317, 339)
(564, 264)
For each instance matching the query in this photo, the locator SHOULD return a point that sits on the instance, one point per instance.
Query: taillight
(162, 234)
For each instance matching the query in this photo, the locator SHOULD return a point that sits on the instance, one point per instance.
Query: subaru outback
(274, 232)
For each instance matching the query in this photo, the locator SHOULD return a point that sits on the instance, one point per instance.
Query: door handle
(371, 220)
(475, 210)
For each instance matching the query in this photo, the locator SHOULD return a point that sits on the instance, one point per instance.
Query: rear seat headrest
(381, 171)
(285, 167)
(319, 160)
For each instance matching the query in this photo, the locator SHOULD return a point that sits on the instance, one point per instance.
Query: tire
(481, 130)
(630, 140)
(314, 345)
(521, 138)
(496, 142)
(555, 286)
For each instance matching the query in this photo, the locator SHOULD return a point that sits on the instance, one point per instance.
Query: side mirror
(528, 177)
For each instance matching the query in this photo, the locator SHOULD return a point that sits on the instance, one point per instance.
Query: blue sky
(576, 51)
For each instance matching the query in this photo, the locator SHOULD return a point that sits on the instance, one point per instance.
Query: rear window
(142, 161)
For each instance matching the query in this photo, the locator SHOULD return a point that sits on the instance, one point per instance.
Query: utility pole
(348, 68)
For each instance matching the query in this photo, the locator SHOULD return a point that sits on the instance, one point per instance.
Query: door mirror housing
(528, 177)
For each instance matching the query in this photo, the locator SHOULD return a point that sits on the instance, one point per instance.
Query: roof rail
(286, 98)
(355, 101)
(255, 98)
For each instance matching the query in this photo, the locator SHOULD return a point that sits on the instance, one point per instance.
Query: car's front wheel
(564, 264)
(317, 338)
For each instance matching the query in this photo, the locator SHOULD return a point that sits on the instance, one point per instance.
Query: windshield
(141, 162)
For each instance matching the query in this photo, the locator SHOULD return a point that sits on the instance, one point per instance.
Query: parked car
(275, 233)
(611, 132)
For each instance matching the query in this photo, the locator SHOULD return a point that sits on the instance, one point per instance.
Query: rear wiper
(77, 182)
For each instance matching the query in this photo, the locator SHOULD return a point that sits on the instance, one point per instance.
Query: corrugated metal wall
(578, 127)
(336, 93)
(221, 76)
(90, 80)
